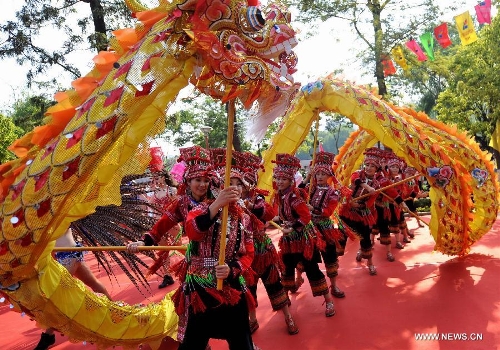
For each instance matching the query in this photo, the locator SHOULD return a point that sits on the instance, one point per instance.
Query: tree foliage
(472, 99)
(28, 112)
(380, 25)
(69, 24)
(184, 126)
(9, 132)
(336, 130)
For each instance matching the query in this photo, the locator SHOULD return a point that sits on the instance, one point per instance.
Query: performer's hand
(134, 246)
(310, 207)
(368, 188)
(356, 205)
(422, 194)
(222, 271)
(308, 178)
(287, 230)
(227, 195)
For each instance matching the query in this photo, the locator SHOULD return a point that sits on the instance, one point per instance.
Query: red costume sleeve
(269, 212)
(392, 192)
(166, 222)
(246, 260)
(198, 223)
(333, 201)
(300, 207)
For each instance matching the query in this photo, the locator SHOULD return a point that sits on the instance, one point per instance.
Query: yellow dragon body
(99, 132)
(464, 188)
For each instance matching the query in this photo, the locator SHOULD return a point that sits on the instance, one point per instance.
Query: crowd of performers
(315, 218)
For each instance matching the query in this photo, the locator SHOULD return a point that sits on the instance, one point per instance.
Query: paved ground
(422, 292)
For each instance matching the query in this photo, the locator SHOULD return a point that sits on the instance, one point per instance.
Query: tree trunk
(100, 38)
(236, 137)
(375, 9)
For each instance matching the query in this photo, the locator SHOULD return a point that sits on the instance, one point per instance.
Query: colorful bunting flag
(415, 48)
(441, 35)
(389, 68)
(465, 28)
(483, 12)
(427, 42)
(399, 57)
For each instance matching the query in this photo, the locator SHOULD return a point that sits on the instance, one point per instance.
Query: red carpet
(422, 293)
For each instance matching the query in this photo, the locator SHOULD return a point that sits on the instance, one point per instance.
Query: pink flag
(483, 12)
(321, 147)
(441, 34)
(416, 49)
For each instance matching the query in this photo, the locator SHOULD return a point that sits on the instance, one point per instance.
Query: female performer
(360, 215)
(322, 203)
(299, 240)
(266, 260)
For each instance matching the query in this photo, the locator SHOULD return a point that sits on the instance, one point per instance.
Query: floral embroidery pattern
(442, 176)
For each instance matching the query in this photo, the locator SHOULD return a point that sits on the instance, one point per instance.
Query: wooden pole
(385, 188)
(409, 212)
(227, 181)
(117, 248)
(315, 145)
(275, 225)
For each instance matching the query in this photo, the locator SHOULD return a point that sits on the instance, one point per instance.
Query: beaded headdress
(373, 156)
(237, 163)
(286, 166)
(253, 163)
(197, 161)
(323, 162)
(395, 160)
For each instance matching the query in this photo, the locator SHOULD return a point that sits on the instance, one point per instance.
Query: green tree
(380, 25)
(185, 125)
(76, 29)
(472, 99)
(28, 112)
(424, 81)
(338, 128)
(9, 132)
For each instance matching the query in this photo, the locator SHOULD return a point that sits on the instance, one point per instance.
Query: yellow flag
(399, 57)
(465, 28)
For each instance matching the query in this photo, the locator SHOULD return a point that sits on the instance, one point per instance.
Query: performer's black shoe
(167, 281)
(46, 340)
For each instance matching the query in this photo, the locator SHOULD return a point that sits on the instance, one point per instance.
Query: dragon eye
(255, 19)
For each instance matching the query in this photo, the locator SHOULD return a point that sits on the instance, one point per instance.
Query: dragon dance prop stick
(227, 181)
(407, 211)
(385, 188)
(117, 248)
(315, 145)
(275, 225)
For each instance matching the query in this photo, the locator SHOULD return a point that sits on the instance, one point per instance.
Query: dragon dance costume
(324, 200)
(205, 312)
(301, 244)
(388, 213)
(359, 215)
(266, 260)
